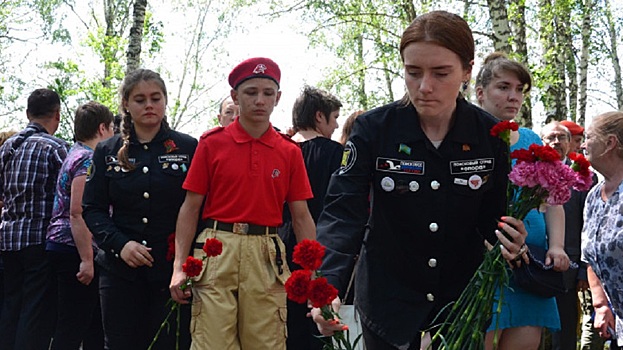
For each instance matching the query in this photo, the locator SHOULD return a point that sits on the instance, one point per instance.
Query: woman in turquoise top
(500, 88)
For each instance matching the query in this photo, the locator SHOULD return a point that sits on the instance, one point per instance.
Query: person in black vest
(431, 208)
(131, 199)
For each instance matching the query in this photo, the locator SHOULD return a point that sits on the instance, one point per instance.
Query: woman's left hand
(558, 257)
(514, 250)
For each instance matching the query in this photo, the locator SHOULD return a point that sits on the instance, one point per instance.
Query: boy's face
(256, 99)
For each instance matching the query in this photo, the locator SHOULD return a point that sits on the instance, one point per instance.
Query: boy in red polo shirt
(243, 174)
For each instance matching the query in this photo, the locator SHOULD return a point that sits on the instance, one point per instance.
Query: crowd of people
(94, 236)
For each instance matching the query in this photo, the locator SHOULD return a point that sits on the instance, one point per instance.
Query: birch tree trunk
(614, 56)
(499, 23)
(584, 57)
(133, 53)
(553, 70)
(518, 21)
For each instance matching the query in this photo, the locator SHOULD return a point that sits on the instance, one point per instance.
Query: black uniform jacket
(140, 204)
(428, 211)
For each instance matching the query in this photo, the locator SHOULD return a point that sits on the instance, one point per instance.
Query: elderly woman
(602, 235)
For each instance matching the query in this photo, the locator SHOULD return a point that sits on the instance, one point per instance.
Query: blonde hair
(606, 124)
(4, 135)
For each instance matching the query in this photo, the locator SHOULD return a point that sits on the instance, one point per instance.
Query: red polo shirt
(246, 179)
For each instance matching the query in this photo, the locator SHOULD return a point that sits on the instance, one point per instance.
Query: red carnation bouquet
(308, 286)
(537, 178)
(192, 267)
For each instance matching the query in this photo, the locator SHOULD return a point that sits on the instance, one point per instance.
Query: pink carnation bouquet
(538, 177)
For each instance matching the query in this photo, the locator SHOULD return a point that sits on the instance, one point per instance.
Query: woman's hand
(327, 327)
(558, 257)
(135, 254)
(86, 272)
(604, 320)
(514, 250)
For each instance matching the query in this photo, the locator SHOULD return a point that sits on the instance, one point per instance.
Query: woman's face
(594, 147)
(503, 96)
(433, 75)
(146, 104)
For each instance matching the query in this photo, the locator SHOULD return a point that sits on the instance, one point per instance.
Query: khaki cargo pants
(239, 299)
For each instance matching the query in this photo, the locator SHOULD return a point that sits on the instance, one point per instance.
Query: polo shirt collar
(240, 135)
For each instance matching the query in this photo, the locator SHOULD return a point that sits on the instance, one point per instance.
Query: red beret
(574, 128)
(257, 67)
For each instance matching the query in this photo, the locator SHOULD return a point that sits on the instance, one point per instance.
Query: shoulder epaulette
(212, 131)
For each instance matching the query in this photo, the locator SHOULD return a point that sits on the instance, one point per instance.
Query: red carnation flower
(321, 293)
(192, 266)
(545, 153)
(580, 164)
(523, 155)
(213, 247)
(502, 126)
(297, 286)
(170, 247)
(308, 254)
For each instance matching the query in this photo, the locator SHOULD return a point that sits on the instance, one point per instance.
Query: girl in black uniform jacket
(131, 200)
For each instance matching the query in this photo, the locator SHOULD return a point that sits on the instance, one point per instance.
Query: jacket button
(146, 195)
(145, 147)
(432, 262)
(430, 297)
(435, 185)
(145, 220)
(145, 170)
(433, 227)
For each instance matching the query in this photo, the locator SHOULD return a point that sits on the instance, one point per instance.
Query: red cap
(574, 128)
(257, 67)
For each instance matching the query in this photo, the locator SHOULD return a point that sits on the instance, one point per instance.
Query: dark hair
(117, 122)
(129, 83)
(497, 62)
(42, 103)
(347, 128)
(310, 101)
(444, 29)
(88, 119)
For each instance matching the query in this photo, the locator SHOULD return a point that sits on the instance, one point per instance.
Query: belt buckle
(241, 228)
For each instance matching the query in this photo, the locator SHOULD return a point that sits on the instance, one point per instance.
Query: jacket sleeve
(346, 208)
(96, 206)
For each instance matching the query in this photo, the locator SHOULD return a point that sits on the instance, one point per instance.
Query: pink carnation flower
(523, 174)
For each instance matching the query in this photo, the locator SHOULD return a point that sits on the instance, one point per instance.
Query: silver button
(145, 169)
(145, 147)
(432, 262)
(433, 227)
(117, 256)
(146, 195)
(145, 220)
(430, 297)
(435, 185)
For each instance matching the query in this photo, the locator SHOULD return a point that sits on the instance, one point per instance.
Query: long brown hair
(129, 83)
(444, 29)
